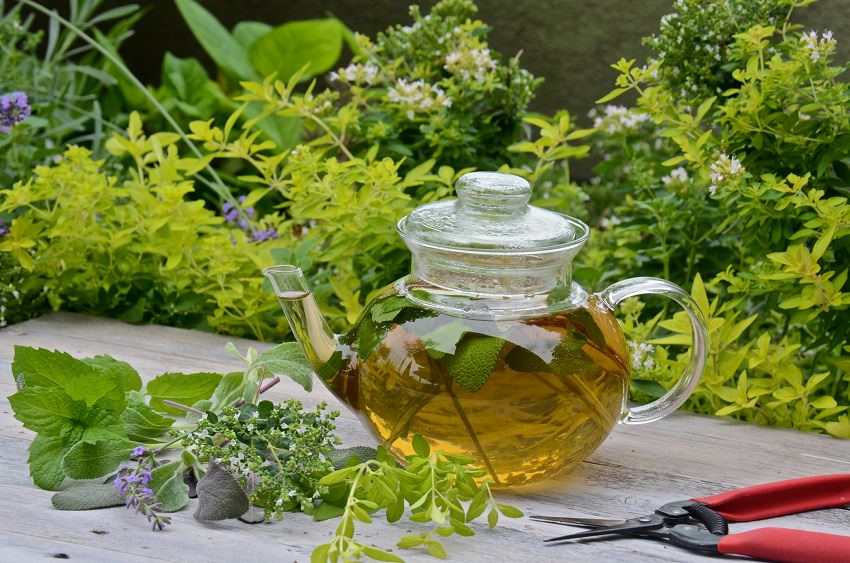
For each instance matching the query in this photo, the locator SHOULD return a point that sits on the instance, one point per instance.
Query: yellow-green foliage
(749, 188)
(138, 249)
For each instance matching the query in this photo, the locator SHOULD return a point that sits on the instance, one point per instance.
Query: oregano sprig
(432, 489)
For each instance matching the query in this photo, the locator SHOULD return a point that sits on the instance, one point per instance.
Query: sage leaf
(87, 496)
(168, 487)
(255, 515)
(220, 496)
(87, 461)
(184, 388)
(326, 511)
(341, 457)
(144, 424)
(286, 359)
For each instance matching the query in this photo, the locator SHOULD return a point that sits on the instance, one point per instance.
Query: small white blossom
(723, 169)
(615, 119)
(418, 97)
(817, 48)
(642, 355)
(677, 175)
(471, 63)
(607, 222)
(357, 73)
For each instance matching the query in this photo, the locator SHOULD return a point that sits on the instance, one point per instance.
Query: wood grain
(636, 470)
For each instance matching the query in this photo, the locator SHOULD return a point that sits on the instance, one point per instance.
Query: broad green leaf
(229, 389)
(320, 553)
(168, 486)
(435, 548)
(38, 367)
(87, 461)
(473, 361)
(87, 496)
(287, 359)
(227, 53)
(380, 554)
(326, 511)
(45, 461)
(420, 446)
(509, 511)
(288, 47)
(144, 424)
(181, 388)
(110, 367)
(46, 411)
(649, 386)
(247, 32)
(444, 339)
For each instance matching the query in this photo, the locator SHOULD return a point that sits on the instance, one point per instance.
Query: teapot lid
(491, 214)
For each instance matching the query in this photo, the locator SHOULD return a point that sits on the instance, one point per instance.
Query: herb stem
(183, 407)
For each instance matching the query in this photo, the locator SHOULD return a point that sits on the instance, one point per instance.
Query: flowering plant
(737, 172)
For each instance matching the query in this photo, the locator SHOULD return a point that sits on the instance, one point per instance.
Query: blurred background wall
(570, 43)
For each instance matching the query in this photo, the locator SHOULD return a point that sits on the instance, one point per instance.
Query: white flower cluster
(677, 176)
(818, 48)
(608, 222)
(356, 73)
(470, 63)
(723, 169)
(418, 97)
(615, 119)
(642, 356)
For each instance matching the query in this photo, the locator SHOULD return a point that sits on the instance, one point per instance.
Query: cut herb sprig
(432, 489)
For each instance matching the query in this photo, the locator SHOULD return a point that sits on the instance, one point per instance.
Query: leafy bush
(744, 179)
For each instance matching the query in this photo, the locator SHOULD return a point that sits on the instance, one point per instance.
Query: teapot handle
(673, 399)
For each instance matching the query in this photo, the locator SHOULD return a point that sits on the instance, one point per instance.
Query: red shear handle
(788, 546)
(781, 498)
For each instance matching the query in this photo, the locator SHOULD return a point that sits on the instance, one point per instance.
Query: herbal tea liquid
(525, 398)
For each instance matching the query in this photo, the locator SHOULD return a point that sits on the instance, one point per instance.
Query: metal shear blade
(584, 522)
(636, 526)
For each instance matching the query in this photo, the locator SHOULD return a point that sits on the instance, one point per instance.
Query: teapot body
(525, 395)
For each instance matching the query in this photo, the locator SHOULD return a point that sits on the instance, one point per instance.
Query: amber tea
(526, 398)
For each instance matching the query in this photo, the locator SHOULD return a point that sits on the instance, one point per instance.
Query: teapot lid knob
(492, 193)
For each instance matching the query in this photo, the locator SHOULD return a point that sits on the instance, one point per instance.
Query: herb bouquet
(105, 441)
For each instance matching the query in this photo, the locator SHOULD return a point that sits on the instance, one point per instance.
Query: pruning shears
(701, 524)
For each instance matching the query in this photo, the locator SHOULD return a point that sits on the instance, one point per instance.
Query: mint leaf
(46, 411)
(388, 310)
(144, 424)
(87, 496)
(168, 486)
(38, 367)
(110, 367)
(287, 359)
(45, 461)
(182, 388)
(87, 461)
(101, 424)
(444, 339)
(220, 496)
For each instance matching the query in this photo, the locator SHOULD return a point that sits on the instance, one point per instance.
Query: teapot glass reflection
(488, 348)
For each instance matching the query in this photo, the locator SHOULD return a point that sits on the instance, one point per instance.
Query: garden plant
(727, 172)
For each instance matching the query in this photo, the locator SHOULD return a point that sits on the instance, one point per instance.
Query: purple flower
(14, 108)
(4, 230)
(133, 485)
(267, 234)
(139, 451)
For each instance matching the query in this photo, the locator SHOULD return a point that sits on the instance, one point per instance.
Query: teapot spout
(301, 310)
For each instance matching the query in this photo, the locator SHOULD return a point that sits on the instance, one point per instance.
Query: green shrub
(746, 185)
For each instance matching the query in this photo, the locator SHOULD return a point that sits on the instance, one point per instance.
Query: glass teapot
(488, 348)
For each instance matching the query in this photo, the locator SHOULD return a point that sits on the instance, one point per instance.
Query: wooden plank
(636, 470)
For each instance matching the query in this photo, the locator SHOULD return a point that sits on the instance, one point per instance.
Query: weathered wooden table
(636, 470)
